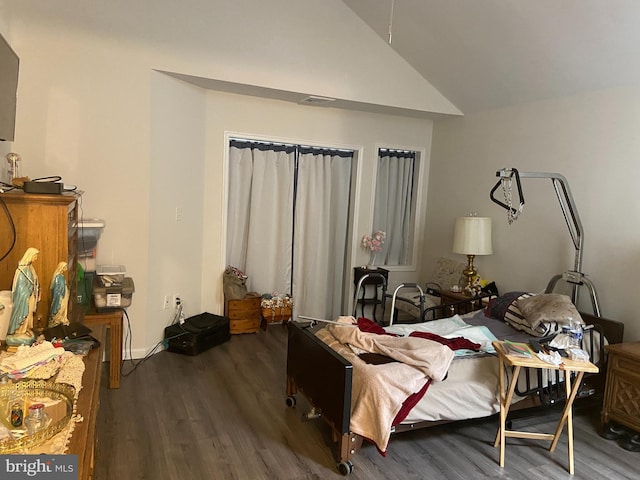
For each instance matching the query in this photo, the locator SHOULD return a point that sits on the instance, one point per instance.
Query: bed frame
(324, 378)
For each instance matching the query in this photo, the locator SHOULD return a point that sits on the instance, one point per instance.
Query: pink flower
(374, 242)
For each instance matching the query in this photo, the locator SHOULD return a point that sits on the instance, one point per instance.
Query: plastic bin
(111, 274)
(113, 297)
(89, 232)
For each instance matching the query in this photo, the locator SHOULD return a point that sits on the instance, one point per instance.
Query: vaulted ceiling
(484, 54)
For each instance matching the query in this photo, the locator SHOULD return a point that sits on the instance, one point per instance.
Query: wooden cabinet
(244, 315)
(622, 393)
(48, 223)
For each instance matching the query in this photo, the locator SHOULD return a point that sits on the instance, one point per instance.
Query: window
(396, 203)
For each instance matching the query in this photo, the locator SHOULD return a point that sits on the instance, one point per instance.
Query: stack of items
(242, 308)
(89, 232)
(112, 288)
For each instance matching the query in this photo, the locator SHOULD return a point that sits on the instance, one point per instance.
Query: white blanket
(378, 391)
(451, 327)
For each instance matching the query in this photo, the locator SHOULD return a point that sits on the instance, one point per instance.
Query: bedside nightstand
(623, 385)
(447, 297)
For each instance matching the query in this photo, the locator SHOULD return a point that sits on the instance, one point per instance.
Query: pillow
(505, 308)
(548, 308)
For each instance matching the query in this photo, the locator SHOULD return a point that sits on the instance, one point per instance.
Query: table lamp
(471, 237)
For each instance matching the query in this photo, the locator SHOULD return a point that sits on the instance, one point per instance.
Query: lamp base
(471, 273)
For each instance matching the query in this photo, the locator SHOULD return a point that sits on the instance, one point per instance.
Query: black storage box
(197, 334)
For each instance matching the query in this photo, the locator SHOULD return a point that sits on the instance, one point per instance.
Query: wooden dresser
(48, 223)
(244, 315)
(622, 393)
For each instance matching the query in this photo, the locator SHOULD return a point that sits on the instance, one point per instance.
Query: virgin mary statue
(25, 295)
(59, 297)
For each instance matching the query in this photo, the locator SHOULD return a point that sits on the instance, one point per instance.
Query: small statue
(13, 169)
(59, 297)
(25, 297)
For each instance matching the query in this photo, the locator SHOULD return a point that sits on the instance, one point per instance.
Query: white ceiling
(484, 54)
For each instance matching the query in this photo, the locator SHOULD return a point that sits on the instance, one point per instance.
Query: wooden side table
(447, 297)
(377, 278)
(622, 394)
(113, 320)
(506, 395)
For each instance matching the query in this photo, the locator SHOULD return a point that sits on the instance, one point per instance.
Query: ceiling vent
(315, 100)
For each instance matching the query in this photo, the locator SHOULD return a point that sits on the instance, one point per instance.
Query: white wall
(92, 109)
(590, 139)
(175, 185)
(283, 121)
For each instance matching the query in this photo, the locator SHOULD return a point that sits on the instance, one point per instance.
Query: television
(9, 63)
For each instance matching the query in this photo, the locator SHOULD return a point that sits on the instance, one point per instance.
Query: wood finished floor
(222, 415)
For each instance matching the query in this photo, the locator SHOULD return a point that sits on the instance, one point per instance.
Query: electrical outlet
(177, 300)
(166, 302)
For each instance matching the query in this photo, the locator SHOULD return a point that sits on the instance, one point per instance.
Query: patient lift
(574, 277)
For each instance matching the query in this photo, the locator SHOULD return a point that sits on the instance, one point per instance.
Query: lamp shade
(472, 236)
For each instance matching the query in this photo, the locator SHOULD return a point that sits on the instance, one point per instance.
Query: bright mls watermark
(50, 467)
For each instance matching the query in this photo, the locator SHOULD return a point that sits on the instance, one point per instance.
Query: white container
(113, 297)
(111, 274)
(89, 232)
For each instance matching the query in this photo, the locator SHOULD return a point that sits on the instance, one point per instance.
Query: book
(516, 349)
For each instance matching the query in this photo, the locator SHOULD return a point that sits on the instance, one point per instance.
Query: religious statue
(25, 295)
(59, 297)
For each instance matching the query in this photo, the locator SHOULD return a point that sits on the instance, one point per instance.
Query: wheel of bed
(327, 373)
(345, 468)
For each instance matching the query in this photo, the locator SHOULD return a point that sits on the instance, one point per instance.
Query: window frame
(418, 201)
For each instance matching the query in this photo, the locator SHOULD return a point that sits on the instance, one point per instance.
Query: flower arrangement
(373, 243)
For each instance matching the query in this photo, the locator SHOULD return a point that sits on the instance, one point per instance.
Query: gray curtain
(287, 222)
(393, 210)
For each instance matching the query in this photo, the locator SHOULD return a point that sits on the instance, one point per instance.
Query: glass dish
(34, 391)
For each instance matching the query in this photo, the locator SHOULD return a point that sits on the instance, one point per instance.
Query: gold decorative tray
(34, 391)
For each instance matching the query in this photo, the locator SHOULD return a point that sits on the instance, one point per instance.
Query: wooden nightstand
(447, 297)
(622, 393)
(244, 314)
